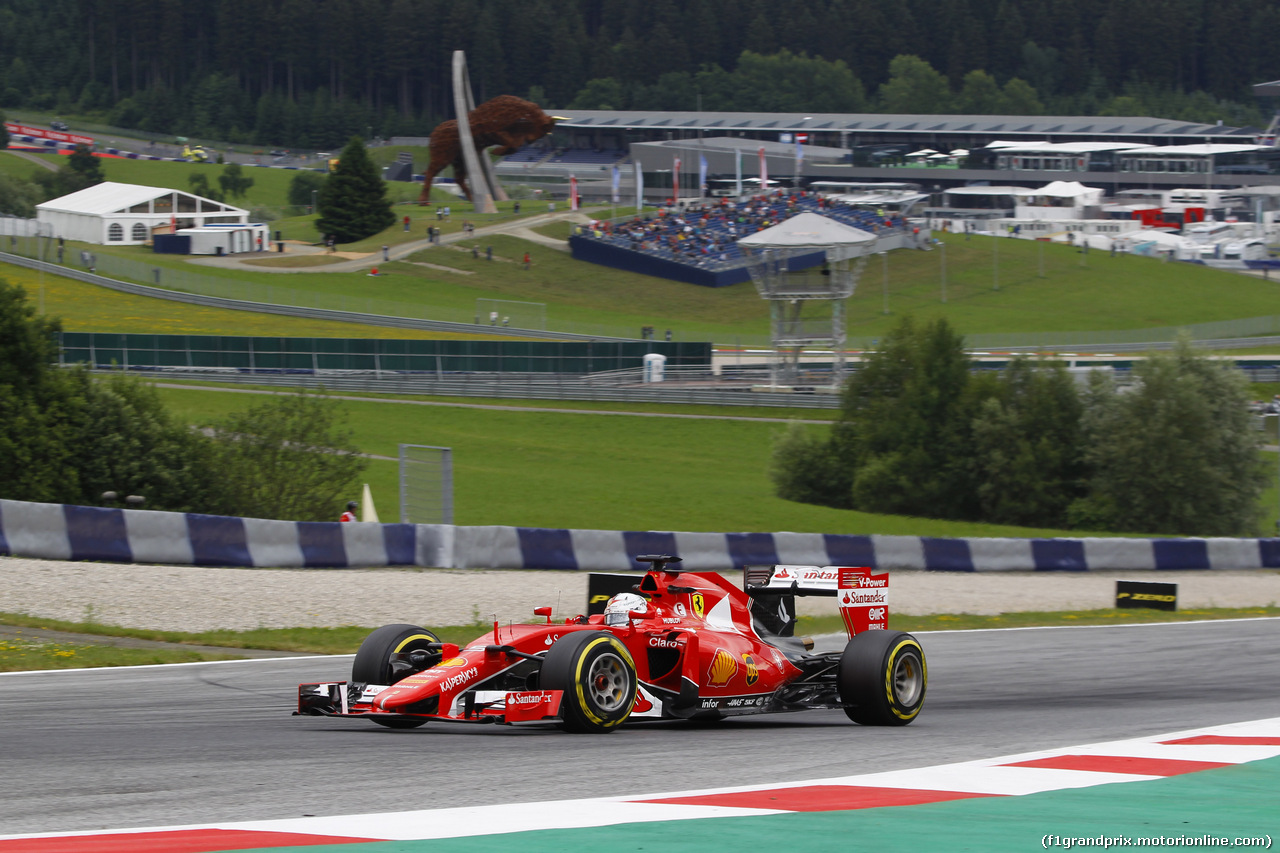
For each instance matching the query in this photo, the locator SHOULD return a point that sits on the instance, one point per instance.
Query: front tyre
(381, 659)
(882, 678)
(598, 679)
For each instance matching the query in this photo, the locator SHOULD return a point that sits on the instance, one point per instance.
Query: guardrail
(513, 388)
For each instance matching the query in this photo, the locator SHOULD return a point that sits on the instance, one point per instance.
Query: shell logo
(723, 668)
(453, 662)
(753, 674)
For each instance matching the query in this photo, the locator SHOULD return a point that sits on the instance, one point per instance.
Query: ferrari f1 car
(685, 645)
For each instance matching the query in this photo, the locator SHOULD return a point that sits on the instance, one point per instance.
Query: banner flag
(617, 181)
(675, 180)
(737, 173)
(573, 193)
(639, 187)
(764, 173)
(702, 175)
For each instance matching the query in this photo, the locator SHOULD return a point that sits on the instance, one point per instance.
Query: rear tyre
(598, 679)
(380, 661)
(882, 678)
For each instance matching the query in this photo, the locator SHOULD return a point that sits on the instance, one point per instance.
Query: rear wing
(861, 593)
(790, 580)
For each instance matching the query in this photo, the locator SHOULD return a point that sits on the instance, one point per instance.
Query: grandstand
(697, 241)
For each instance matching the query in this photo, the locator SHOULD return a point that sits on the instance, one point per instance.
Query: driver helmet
(618, 611)
(351, 505)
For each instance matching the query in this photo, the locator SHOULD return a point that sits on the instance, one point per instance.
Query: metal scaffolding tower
(806, 267)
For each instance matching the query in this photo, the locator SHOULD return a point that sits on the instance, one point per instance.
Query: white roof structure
(127, 214)
(1067, 189)
(1058, 147)
(1200, 150)
(986, 190)
(809, 231)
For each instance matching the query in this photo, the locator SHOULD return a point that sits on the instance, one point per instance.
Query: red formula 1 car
(683, 645)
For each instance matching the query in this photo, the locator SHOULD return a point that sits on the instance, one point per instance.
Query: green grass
(87, 308)
(21, 654)
(546, 469)
(1125, 292)
(327, 641)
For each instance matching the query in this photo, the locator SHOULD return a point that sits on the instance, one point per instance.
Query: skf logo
(723, 668)
(453, 662)
(698, 603)
(753, 674)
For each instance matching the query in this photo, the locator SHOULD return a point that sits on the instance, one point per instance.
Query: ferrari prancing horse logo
(698, 604)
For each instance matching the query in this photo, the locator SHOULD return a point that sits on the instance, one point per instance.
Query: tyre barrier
(66, 532)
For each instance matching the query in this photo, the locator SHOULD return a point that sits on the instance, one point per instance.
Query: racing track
(174, 745)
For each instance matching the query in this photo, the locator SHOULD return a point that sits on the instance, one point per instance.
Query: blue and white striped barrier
(65, 532)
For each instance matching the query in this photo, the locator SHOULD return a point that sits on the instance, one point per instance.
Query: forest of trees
(920, 433)
(315, 72)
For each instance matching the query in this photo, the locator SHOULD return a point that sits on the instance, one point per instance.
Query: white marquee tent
(128, 214)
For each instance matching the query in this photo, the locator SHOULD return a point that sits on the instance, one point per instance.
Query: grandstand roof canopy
(749, 146)
(1037, 126)
(807, 231)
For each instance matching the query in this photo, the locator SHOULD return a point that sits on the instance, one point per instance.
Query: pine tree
(353, 201)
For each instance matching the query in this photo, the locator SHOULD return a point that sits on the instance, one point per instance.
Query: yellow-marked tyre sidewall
(568, 668)
(908, 647)
(865, 678)
(373, 659)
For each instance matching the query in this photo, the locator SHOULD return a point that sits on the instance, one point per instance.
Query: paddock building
(935, 151)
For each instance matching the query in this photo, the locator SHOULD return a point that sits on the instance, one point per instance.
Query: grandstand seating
(606, 157)
(527, 154)
(703, 235)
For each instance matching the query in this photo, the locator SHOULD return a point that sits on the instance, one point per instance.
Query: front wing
(339, 699)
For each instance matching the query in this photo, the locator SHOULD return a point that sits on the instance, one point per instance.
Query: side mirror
(544, 612)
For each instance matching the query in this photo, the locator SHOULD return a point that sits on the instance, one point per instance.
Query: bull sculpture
(506, 120)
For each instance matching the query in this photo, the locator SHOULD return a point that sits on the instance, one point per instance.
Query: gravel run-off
(191, 598)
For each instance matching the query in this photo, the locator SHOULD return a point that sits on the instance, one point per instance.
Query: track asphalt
(1200, 789)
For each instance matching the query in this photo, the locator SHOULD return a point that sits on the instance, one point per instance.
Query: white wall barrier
(64, 532)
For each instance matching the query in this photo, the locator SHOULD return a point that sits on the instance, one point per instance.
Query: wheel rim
(908, 679)
(608, 683)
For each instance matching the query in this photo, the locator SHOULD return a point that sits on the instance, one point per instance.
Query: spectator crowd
(705, 232)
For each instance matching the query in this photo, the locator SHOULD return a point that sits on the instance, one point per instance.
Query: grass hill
(616, 472)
